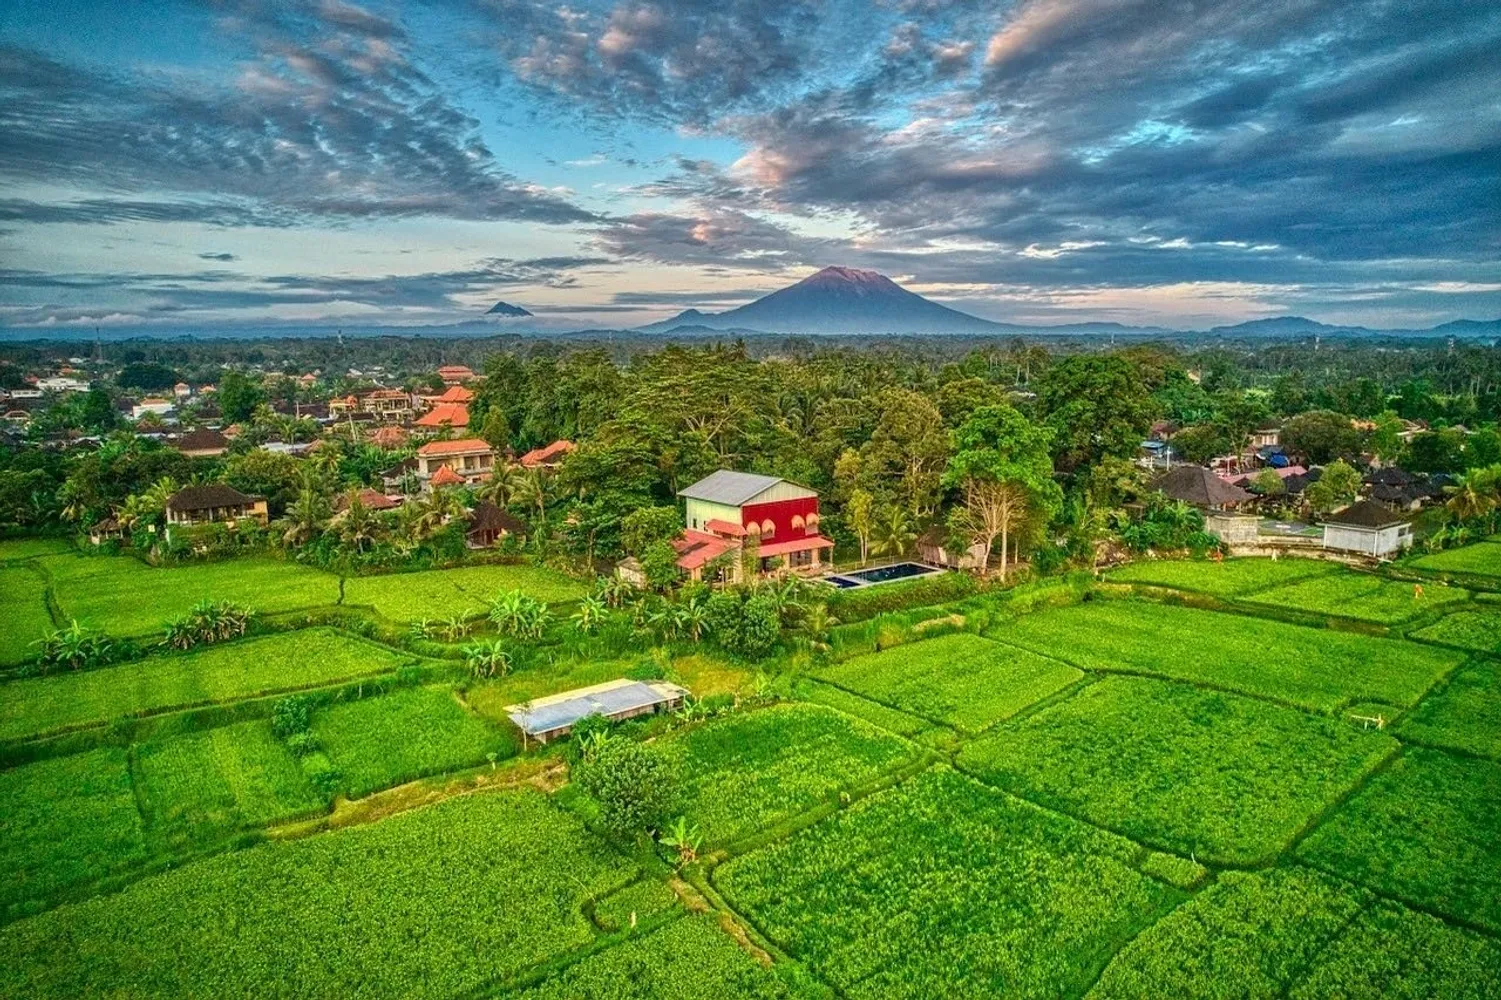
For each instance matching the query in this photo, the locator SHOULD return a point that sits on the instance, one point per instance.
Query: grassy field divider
(1289, 853)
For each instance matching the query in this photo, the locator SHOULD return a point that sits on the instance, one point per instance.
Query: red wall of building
(780, 513)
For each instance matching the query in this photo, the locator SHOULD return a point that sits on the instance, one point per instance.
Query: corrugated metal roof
(613, 698)
(729, 487)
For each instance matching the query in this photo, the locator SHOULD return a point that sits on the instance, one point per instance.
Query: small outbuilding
(547, 719)
(214, 503)
(1368, 527)
(488, 524)
(1218, 499)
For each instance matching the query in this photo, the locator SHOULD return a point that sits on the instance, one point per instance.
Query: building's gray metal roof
(729, 487)
(614, 698)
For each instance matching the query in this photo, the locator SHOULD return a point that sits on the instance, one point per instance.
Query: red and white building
(729, 511)
(468, 460)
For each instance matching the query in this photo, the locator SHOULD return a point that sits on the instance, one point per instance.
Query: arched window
(753, 528)
(767, 528)
(797, 520)
(812, 522)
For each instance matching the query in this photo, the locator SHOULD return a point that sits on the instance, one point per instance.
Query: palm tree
(817, 622)
(359, 525)
(694, 615)
(590, 614)
(686, 839)
(894, 535)
(1474, 495)
(305, 516)
(533, 491)
(487, 659)
(504, 485)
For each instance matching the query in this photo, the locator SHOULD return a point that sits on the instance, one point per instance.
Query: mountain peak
(506, 309)
(850, 275)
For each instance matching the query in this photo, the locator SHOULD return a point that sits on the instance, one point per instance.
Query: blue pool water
(881, 574)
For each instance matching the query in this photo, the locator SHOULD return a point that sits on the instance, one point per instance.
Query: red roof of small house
(463, 446)
(695, 548)
(449, 414)
(373, 499)
(456, 394)
(388, 394)
(722, 527)
(389, 437)
(455, 372)
(550, 455)
(446, 477)
(806, 544)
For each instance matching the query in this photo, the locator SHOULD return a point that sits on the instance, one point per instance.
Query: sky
(1180, 163)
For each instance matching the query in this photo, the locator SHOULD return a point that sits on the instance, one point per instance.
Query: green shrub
(208, 621)
(292, 715)
(632, 782)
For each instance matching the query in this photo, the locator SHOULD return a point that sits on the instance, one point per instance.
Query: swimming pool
(881, 574)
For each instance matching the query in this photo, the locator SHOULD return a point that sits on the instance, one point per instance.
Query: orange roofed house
(547, 457)
(455, 374)
(728, 511)
(468, 459)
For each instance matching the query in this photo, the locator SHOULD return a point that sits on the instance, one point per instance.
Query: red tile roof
(695, 548)
(456, 394)
(768, 549)
(446, 477)
(463, 446)
(720, 527)
(550, 455)
(450, 414)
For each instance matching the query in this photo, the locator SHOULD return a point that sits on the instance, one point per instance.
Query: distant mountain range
(836, 301)
(846, 300)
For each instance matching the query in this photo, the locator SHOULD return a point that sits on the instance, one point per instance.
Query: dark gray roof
(727, 487)
(1197, 485)
(202, 439)
(204, 497)
(487, 517)
(1366, 514)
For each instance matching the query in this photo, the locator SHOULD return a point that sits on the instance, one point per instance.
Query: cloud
(224, 257)
(329, 119)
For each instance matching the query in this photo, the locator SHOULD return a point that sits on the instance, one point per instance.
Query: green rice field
(1480, 559)
(122, 596)
(1449, 863)
(1228, 578)
(1311, 668)
(749, 772)
(212, 674)
(23, 598)
(941, 887)
(466, 590)
(308, 917)
(407, 734)
(1464, 715)
(960, 680)
(65, 823)
(1216, 776)
(197, 787)
(30, 548)
(1124, 797)
(1363, 596)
